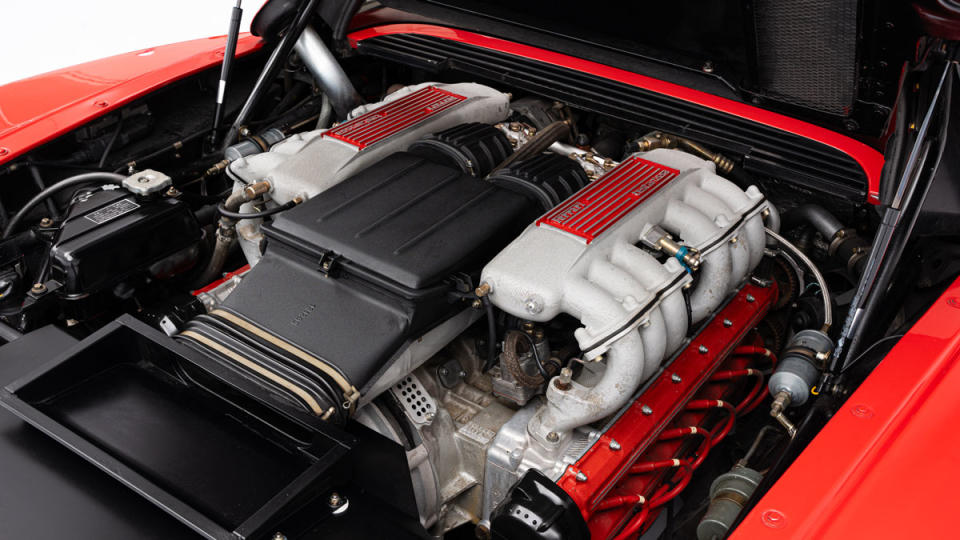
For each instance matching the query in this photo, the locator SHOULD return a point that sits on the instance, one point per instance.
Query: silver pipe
(327, 72)
(824, 292)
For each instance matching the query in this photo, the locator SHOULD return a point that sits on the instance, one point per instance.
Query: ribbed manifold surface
(588, 258)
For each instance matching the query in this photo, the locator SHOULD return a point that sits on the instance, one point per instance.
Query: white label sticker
(112, 211)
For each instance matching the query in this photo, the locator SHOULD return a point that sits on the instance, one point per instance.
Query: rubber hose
(73, 181)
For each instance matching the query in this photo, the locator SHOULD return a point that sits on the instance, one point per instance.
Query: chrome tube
(327, 72)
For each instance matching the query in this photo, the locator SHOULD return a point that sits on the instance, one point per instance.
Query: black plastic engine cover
(355, 274)
(407, 219)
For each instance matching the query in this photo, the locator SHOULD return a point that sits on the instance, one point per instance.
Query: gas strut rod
(890, 240)
(278, 57)
(229, 52)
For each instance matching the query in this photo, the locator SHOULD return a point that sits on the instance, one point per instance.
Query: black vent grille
(766, 150)
(807, 52)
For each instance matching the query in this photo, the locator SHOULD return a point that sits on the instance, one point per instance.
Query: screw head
(773, 519)
(335, 500)
(703, 349)
(553, 436)
(581, 477)
(46, 222)
(38, 288)
(532, 305)
(173, 192)
(750, 298)
(279, 536)
(727, 323)
(675, 378)
(708, 67)
(614, 445)
(646, 410)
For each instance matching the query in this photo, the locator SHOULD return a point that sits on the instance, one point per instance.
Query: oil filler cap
(147, 182)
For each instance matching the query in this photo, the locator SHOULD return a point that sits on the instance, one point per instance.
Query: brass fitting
(217, 168)
(658, 139)
(780, 403)
(562, 382)
(483, 290)
(255, 190)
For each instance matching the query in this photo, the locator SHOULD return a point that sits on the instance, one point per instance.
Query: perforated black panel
(806, 52)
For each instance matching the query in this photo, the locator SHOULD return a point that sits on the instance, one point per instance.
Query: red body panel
(594, 209)
(886, 465)
(383, 122)
(39, 109)
(869, 158)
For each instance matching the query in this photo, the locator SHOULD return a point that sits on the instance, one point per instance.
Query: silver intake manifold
(598, 257)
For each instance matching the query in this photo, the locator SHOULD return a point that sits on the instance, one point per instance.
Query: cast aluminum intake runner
(594, 257)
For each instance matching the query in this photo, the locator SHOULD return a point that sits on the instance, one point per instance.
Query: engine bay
(558, 323)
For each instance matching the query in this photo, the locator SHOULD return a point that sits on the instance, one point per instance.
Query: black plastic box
(140, 407)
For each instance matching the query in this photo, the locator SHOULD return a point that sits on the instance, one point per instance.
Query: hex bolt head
(614, 445)
(279, 536)
(335, 500)
(750, 298)
(646, 410)
(581, 477)
(727, 323)
(675, 378)
(38, 288)
(553, 436)
(46, 222)
(703, 349)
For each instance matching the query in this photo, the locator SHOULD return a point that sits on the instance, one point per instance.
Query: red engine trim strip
(604, 464)
(869, 159)
(593, 210)
(378, 124)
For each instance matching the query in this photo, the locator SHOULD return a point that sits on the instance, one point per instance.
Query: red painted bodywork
(39, 109)
(601, 204)
(874, 471)
(380, 123)
(885, 466)
(869, 159)
(640, 437)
